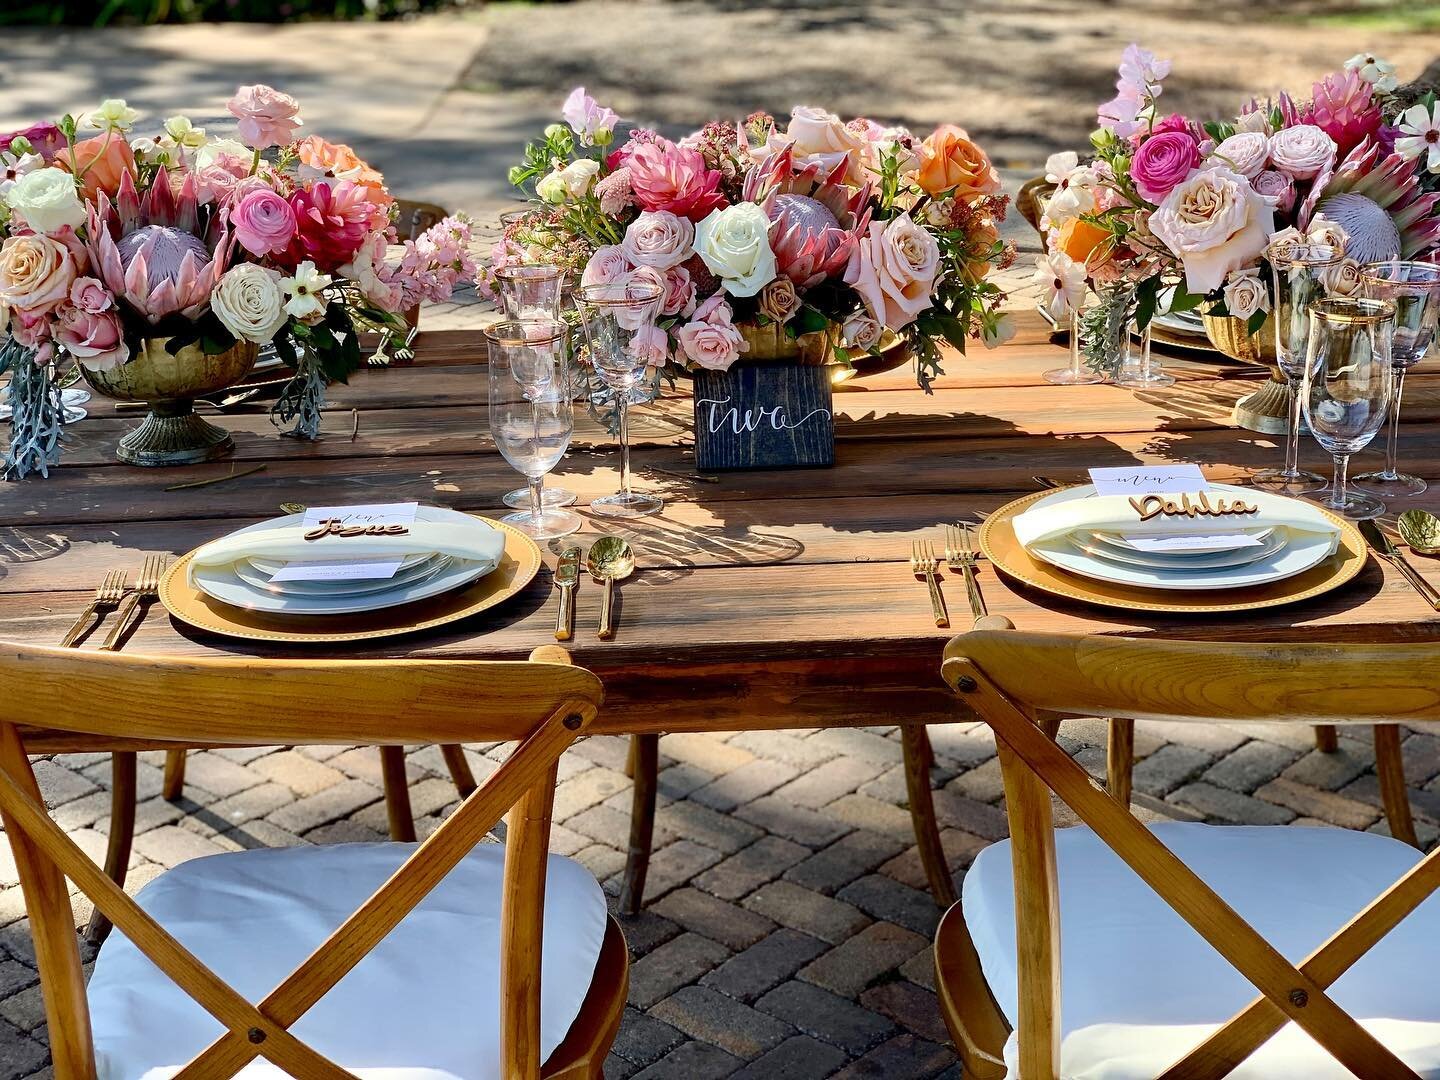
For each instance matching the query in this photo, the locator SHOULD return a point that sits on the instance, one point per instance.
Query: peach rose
(949, 160)
(36, 272)
(324, 158)
(103, 160)
(893, 269)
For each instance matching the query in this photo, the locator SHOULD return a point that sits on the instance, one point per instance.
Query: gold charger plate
(518, 567)
(998, 542)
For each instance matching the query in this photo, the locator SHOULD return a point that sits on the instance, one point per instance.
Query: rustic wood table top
(761, 599)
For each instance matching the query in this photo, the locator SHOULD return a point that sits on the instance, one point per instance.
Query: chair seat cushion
(423, 1005)
(1140, 988)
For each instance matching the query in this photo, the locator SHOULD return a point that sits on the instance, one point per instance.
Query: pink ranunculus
(1163, 161)
(664, 176)
(267, 117)
(90, 295)
(608, 264)
(1214, 222)
(36, 272)
(651, 344)
(710, 340)
(893, 269)
(660, 239)
(1247, 152)
(1278, 188)
(95, 339)
(679, 292)
(263, 222)
(1173, 122)
(1302, 152)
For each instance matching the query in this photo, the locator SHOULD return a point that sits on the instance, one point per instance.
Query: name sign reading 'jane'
(764, 416)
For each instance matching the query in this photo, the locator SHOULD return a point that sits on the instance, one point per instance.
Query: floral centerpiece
(160, 263)
(805, 243)
(1167, 200)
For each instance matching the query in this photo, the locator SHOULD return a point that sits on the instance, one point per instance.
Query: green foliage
(146, 12)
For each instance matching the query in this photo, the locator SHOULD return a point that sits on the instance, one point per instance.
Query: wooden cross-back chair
(543, 704)
(1145, 989)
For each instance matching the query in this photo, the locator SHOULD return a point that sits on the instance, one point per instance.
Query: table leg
(397, 794)
(1326, 741)
(1390, 770)
(122, 833)
(919, 756)
(1119, 758)
(174, 784)
(459, 770)
(645, 760)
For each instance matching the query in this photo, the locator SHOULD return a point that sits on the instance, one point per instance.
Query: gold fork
(147, 588)
(107, 596)
(924, 564)
(960, 555)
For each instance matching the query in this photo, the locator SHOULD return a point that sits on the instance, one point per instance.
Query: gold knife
(1384, 547)
(567, 577)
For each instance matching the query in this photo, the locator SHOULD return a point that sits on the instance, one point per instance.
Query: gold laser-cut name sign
(337, 527)
(1155, 505)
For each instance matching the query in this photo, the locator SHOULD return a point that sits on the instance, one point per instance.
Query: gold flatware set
(112, 595)
(960, 555)
(611, 559)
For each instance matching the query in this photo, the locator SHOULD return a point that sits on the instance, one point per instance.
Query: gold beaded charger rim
(1003, 549)
(519, 564)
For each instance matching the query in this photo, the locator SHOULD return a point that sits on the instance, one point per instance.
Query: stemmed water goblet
(531, 414)
(532, 292)
(1414, 289)
(1300, 273)
(1347, 387)
(622, 338)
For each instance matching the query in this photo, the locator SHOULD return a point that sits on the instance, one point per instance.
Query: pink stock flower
(669, 177)
(614, 192)
(96, 339)
(90, 295)
(375, 280)
(1162, 161)
(710, 339)
(264, 223)
(267, 117)
(587, 118)
(432, 264)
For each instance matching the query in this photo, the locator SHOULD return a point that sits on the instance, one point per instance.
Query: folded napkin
(1052, 524)
(288, 544)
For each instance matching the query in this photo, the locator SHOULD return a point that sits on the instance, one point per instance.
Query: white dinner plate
(1115, 540)
(1125, 555)
(420, 571)
(271, 567)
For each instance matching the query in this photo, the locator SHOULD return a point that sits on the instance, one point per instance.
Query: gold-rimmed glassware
(623, 340)
(1346, 389)
(1300, 274)
(1414, 289)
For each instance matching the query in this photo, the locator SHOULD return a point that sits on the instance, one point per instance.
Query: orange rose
(103, 161)
(949, 160)
(1085, 242)
(341, 162)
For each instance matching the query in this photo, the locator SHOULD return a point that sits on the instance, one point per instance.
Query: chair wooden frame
(1008, 677)
(544, 704)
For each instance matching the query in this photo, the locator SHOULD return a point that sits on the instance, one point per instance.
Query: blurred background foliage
(146, 12)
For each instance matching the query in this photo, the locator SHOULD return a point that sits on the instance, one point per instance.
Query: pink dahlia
(1344, 108)
(330, 224)
(664, 176)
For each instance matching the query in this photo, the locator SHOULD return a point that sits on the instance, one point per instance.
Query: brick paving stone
(826, 1016)
(889, 786)
(710, 1016)
(748, 869)
(60, 785)
(602, 860)
(170, 845)
(857, 742)
(299, 772)
(858, 961)
(643, 1039)
(981, 783)
(585, 790)
(873, 815)
(980, 819)
(823, 785)
(15, 976)
(25, 1009)
(797, 1058)
(1214, 739)
(1249, 766)
(20, 1055)
(263, 833)
(910, 1006)
(692, 821)
(764, 965)
(734, 927)
(705, 751)
(808, 827)
(1422, 757)
(1423, 804)
(251, 803)
(692, 1061)
(606, 824)
(325, 806)
(218, 775)
(1168, 768)
(673, 965)
(905, 1055)
(1231, 806)
(675, 864)
(678, 781)
(83, 812)
(843, 861)
(1330, 771)
(966, 744)
(783, 746)
(1330, 807)
(806, 910)
(887, 900)
(645, 930)
(744, 784)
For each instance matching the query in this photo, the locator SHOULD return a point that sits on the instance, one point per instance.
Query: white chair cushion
(423, 1005)
(1139, 987)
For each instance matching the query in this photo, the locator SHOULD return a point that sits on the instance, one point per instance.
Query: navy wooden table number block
(764, 416)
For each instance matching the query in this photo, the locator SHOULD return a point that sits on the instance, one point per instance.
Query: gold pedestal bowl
(1267, 410)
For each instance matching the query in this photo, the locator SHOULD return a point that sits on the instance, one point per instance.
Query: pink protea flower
(816, 219)
(664, 176)
(1378, 201)
(1344, 108)
(151, 252)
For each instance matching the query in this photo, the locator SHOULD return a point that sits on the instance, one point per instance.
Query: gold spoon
(610, 560)
(1420, 530)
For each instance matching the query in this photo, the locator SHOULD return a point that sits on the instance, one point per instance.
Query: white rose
(578, 176)
(250, 302)
(660, 239)
(1245, 293)
(1215, 222)
(1324, 231)
(1253, 121)
(1245, 152)
(1301, 152)
(734, 244)
(47, 199)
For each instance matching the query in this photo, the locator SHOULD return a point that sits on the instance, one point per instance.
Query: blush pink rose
(264, 223)
(679, 292)
(1247, 152)
(1214, 222)
(267, 117)
(1277, 187)
(96, 340)
(650, 344)
(36, 272)
(893, 269)
(90, 296)
(1163, 161)
(710, 339)
(1302, 152)
(660, 239)
(608, 264)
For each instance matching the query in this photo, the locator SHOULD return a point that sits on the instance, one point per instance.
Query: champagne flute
(1300, 273)
(532, 292)
(620, 331)
(531, 415)
(1347, 387)
(1414, 289)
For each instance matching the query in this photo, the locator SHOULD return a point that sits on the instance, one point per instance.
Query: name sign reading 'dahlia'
(1201, 506)
(764, 416)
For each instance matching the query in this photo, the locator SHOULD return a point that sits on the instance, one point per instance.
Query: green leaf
(808, 320)
(1185, 300)
(1147, 297)
(1256, 321)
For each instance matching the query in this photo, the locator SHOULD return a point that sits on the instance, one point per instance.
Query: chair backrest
(1008, 677)
(412, 217)
(543, 703)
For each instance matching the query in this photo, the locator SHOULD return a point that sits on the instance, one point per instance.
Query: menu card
(350, 569)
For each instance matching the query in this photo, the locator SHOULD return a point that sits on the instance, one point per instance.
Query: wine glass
(532, 292)
(1146, 372)
(1300, 275)
(620, 331)
(531, 416)
(1414, 289)
(1347, 386)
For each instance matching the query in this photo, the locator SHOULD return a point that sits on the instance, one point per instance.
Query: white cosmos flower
(1062, 283)
(12, 167)
(1074, 195)
(1420, 131)
(1378, 73)
(1061, 164)
(303, 290)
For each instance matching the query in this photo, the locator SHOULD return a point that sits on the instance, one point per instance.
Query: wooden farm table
(762, 599)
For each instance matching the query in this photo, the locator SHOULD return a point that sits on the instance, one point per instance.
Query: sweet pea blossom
(113, 115)
(183, 133)
(588, 119)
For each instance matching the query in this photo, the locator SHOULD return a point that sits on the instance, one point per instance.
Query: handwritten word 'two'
(753, 418)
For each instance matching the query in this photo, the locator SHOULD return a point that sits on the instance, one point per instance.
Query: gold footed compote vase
(172, 433)
(1267, 409)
